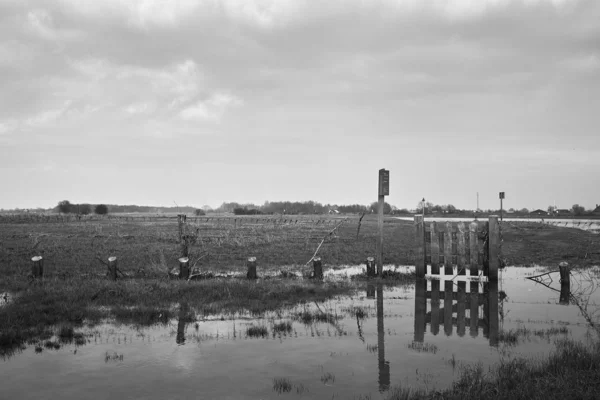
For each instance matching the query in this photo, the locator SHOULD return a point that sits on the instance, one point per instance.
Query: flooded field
(417, 335)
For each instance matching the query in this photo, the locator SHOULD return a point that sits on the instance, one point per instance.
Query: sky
(154, 102)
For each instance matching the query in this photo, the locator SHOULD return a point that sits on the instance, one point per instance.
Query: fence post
(251, 268)
(317, 268)
(420, 265)
(112, 268)
(37, 267)
(493, 246)
(184, 268)
(370, 266)
(565, 283)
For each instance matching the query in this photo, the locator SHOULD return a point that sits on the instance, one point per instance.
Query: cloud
(211, 109)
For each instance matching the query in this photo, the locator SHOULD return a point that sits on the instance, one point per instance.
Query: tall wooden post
(112, 268)
(184, 268)
(494, 247)
(420, 253)
(384, 190)
(37, 267)
(251, 268)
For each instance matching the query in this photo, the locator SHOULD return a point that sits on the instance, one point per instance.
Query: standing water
(417, 335)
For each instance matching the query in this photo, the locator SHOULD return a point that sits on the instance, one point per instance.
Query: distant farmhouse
(562, 212)
(538, 212)
(596, 210)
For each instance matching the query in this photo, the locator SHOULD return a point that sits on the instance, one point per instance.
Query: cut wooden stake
(184, 268)
(112, 268)
(317, 268)
(371, 266)
(37, 267)
(251, 268)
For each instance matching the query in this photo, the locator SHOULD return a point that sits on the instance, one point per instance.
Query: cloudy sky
(152, 102)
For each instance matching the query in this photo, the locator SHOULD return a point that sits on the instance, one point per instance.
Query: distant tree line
(66, 207)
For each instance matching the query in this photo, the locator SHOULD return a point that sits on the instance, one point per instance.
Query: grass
(327, 378)
(308, 317)
(147, 302)
(423, 347)
(282, 385)
(572, 371)
(282, 327)
(257, 331)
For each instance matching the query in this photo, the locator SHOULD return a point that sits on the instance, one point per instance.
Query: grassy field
(150, 248)
(75, 290)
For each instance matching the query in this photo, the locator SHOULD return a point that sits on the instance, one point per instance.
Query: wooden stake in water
(251, 268)
(565, 283)
(37, 267)
(112, 268)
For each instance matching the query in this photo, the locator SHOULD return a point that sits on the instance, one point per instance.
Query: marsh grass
(75, 302)
(257, 331)
(327, 378)
(282, 385)
(423, 347)
(282, 327)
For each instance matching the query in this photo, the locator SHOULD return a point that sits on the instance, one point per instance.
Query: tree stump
(251, 268)
(184, 268)
(317, 268)
(37, 267)
(371, 266)
(112, 268)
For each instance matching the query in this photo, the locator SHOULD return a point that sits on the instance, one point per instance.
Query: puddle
(416, 335)
(5, 298)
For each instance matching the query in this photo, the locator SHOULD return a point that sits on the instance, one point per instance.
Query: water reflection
(383, 365)
(183, 311)
(455, 315)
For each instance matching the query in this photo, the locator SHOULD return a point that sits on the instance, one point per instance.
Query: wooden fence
(461, 308)
(472, 247)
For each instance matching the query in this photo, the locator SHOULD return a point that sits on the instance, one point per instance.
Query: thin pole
(380, 226)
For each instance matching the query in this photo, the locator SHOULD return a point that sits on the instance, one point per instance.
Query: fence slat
(420, 265)
(462, 249)
(493, 317)
(435, 306)
(435, 249)
(448, 249)
(474, 310)
(461, 306)
(494, 246)
(448, 289)
(473, 243)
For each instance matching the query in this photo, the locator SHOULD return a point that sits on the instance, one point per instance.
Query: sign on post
(384, 182)
(501, 195)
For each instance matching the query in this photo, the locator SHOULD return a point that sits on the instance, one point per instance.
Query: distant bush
(199, 212)
(101, 209)
(246, 211)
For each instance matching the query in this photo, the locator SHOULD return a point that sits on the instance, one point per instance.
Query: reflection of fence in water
(461, 308)
(383, 366)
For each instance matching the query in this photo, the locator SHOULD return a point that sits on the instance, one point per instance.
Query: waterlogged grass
(257, 331)
(572, 371)
(282, 385)
(282, 327)
(512, 336)
(308, 317)
(145, 302)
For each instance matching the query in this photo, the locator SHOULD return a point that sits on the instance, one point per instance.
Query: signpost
(384, 190)
(501, 195)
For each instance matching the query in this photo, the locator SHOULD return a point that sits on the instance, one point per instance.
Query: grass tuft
(257, 331)
(282, 385)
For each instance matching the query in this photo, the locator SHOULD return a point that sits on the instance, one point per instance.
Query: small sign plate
(384, 182)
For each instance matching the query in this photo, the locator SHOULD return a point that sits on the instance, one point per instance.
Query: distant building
(538, 212)
(596, 210)
(562, 211)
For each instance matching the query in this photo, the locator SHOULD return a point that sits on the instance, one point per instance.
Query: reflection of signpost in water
(384, 366)
(454, 311)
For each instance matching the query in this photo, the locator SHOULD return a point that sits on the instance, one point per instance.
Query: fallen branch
(359, 221)
(322, 241)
